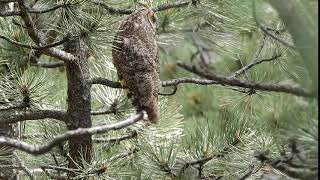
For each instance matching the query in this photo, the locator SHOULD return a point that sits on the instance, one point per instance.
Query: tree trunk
(79, 104)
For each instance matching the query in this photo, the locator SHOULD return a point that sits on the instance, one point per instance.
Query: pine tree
(239, 77)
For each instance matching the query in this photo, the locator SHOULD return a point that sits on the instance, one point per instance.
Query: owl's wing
(142, 56)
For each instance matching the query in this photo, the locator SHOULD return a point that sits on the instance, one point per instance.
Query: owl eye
(152, 17)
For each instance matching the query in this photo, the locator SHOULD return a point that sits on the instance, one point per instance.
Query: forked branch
(41, 149)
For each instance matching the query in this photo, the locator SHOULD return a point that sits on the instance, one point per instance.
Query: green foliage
(216, 122)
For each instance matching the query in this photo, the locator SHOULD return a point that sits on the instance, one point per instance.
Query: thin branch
(265, 30)
(220, 79)
(37, 37)
(252, 64)
(23, 167)
(167, 6)
(115, 139)
(49, 65)
(162, 7)
(58, 168)
(10, 106)
(16, 43)
(175, 82)
(113, 10)
(170, 94)
(254, 59)
(9, 13)
(41, 11)
(10, 117)
(41, 149)
(105, 82)
(248, 174)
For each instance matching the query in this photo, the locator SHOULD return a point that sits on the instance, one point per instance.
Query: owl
(136, 57)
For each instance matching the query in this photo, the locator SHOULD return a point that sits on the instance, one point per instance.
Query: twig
(112, 10)
(105, 82)
(23, 167)
(248, 174)
(9, 13)
(220, 79)
(170, 94)
(167, 6)
(37, 37)
(41, 149)
(9, 117)
(252, 64)
(49, 65)
(58, 168)
(254, 59)
(265, 30)
(41, 11)
(10, 106)
(16, 43)
(162, 7)
(115, 139)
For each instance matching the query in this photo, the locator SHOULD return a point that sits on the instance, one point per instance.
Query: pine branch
(41, 149)
(37, 37)
(220, 79)
(10, 117)
(16, 43)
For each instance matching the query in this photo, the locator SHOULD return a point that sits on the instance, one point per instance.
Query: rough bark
(79, 105)
(8, 130)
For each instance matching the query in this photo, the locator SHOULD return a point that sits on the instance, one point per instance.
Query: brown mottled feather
(136, 58)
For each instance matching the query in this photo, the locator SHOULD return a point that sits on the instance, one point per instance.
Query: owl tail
(153, 114)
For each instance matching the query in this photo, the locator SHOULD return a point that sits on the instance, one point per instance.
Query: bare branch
(105, 82)
(9, 106)
(252, 64)
(58, 168)
(265, 30)
(220, 79)
(170, 94)
(9, 13)
(113, 10)
(37, 38)
(49, 65)
(167, 6)
(175, 82)
(115, 139)
(23, 167)
(10, 117)
(41, 149)
(32, 46)
(41, 11)
(162, 7)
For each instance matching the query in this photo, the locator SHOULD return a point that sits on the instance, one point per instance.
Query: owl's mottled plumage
(136, 58)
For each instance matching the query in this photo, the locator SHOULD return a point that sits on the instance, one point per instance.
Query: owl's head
(149, 15)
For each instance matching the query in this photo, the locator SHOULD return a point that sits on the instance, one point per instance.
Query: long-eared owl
(136, 57)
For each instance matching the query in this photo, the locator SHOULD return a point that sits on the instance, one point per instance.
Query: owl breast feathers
(136, 58)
